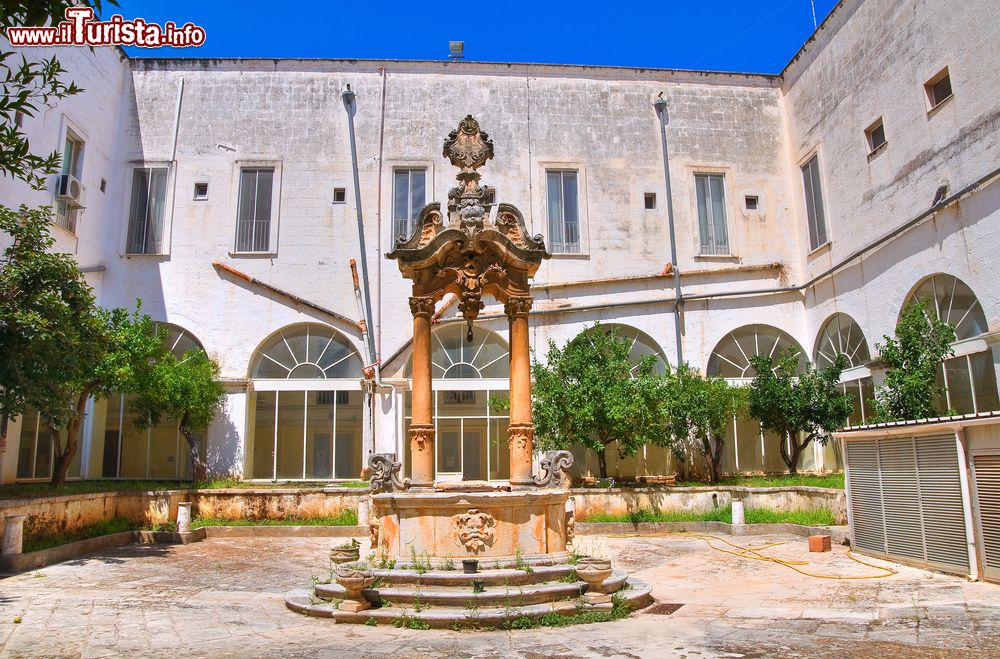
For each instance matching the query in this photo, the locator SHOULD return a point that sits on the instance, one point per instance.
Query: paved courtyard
(224, 597)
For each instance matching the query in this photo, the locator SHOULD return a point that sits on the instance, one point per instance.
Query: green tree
(187, 389)
(698, 411)
(912, 358)
(121, 357)
(801, 408)
(50, 329)
(590, 393)
(29, 86)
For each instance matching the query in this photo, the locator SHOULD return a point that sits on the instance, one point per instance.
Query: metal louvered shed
(927, 493)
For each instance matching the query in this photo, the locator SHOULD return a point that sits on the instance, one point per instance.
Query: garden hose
(754, 554)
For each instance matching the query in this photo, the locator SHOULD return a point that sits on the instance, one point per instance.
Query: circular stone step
(636, 595)
(462, 595)
(509, 576)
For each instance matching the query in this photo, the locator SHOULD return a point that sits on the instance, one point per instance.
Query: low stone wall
(621, 501)
(840, 535)
(74, 511)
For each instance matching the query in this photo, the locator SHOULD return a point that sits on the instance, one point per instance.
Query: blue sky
(758, 36)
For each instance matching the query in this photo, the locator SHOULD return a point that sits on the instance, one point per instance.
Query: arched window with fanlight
(158, 452)
(470, 377)
(306, 406)
(841, 335)
(749, 448)
(969, 376)
(732, 355)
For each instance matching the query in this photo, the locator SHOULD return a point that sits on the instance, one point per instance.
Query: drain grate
(663, 609)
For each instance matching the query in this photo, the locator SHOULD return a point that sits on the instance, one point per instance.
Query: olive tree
(590, 393)
(912, 359)
(698, 409)
(186, 389)
(801, 408)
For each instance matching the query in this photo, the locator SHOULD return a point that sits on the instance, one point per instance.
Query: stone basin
(497, 528)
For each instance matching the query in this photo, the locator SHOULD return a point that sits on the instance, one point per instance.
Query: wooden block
(819, 543)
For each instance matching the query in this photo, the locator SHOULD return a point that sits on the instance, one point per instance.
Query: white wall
(753, 129)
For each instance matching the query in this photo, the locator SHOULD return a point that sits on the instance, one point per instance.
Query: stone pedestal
(13, 534)
(497, 528)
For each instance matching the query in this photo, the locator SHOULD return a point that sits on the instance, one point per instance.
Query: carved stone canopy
(470, 252)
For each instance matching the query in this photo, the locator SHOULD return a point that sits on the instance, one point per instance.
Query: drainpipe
(351, 107)
(373, 373)
(660, 106)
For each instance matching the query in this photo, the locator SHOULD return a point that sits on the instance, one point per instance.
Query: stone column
(13, 534)
(521, 431)
(422, 412)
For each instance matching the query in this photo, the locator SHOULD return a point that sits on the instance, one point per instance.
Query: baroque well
(509, 539)
(471, 253)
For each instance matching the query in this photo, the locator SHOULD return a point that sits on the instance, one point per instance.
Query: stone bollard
(738, 512)
(184, 517)
(13, 534)
(364, 510)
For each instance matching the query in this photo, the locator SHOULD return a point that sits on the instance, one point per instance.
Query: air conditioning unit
(70, 190)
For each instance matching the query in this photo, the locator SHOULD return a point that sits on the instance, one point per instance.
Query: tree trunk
(64, 457)
(792, 461)
(200, 468)
(602, 461)
(715, 457)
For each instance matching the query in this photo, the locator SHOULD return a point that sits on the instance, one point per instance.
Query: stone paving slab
(224, 597)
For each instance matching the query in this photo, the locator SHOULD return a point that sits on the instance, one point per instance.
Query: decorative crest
(468, 147)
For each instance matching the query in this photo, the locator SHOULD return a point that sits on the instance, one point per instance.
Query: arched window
(969, 377)
(454, 357)
(307, 351)
(178, 340)
(731, 357)
(307, 419)
(641, 345)
(953, 302)
(841, 335)
(470, 377)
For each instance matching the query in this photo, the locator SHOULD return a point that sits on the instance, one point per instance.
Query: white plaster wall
(753, 129)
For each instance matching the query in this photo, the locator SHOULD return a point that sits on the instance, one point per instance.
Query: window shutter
(987, 475)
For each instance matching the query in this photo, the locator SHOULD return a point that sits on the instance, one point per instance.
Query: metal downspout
(350, 107)
(661, 110)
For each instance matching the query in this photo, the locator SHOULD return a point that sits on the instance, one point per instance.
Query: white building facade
(809, 208)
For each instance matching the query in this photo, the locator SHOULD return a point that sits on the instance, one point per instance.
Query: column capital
(517, 306)
(421, 306)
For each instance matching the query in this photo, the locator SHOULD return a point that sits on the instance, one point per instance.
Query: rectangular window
(814, 203)
(752, 202)
(938, 88)
(72, 164)
(409, 193)
(564, 211)
(711, 193)
(649, 200)
(875, 134)
(253, 224)
(145, 216)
